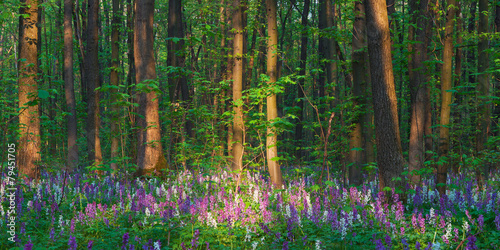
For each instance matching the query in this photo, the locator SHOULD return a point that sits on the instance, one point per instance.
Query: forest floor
(195, 210)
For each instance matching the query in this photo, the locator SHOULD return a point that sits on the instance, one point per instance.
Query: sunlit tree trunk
(238, 125)
(483, 90)
(418, 89)
(92, 72)
(272, 109)
(114, 79)
(149, 154)
(446, 95)
(69, 86)
(357, 145)
(29, 120)
(389, 156)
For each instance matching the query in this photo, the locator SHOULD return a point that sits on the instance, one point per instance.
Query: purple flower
(28, 245)
(72, 227)
(125, 241)
(194, 241)
(402, 231)
(285, 245)
(497, 222)
(72, 243)
(89, 246)
(421, 222)
(388, 241)
(417, 245)
(52, 234)
(471, 244)
(379, 245)
(405, 244)
(480, 222)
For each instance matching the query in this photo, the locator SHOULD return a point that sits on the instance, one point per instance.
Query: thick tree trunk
(446, 95)
(149, 154)
(483, 90)
(115, 64)
(29, 120)
(69, 86)
(357, 145)
(272, 109)
(238, 124)
(389, 156)
(418, 89)
(92, 79)
(301, 88)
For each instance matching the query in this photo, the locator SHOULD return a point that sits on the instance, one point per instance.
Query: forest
(250, 124)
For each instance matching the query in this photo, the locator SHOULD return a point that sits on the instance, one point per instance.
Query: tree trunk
(418, 89)
(272, 109)
(92, 80)
(29, 119)
(389, 157)
(115, 64)
(483, 91)
(446, 95)
(149, 154)
(238, 124)
(69, 86)
(131, 81)
(302, 87)
(357, 153)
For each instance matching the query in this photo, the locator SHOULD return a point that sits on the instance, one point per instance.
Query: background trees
(182, 70)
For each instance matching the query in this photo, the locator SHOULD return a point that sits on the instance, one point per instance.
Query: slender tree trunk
(92, 79)
(115, 64)
(131, 80)
(389, 156)
(69, 86)
(483, 90)
(149, 154)
(357, 145)
(302, 87)
(272, 109)
(238, 124)
(29, 120)
(418, 89)
(446, 95)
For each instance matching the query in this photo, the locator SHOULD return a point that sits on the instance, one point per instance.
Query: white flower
(254, 245)
(465, 226)
(318, 244)
(287, 211)
(157, 245)
(247, 236)
(325, 216)
(148, 213)
(256, 195)
(436, 246)
(60, 221)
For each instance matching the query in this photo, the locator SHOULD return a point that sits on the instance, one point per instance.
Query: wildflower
(89, 246)
(465, 226)
(125, 241)
(72, 243)
(52, 234)
(402, 231)
(28, 245)
(379, 245)
(318, 244)
(157, 245)
(471, 244)
(421, 222)
(388, 241)
(417, 245)
(497, 222)
(436, 246)
(480, 222)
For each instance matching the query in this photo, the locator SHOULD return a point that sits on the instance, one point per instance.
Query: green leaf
(43, 94)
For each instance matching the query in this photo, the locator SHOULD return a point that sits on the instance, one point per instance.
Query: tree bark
(357, 145)
(446, 95)
(29, 120)
(114, 79)
(389, 156)
(272, 109)
(301, 88)
(149, 154)
(69, 86)
(238, 124)
(92, 79)
(483, 91)
(418, 89)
